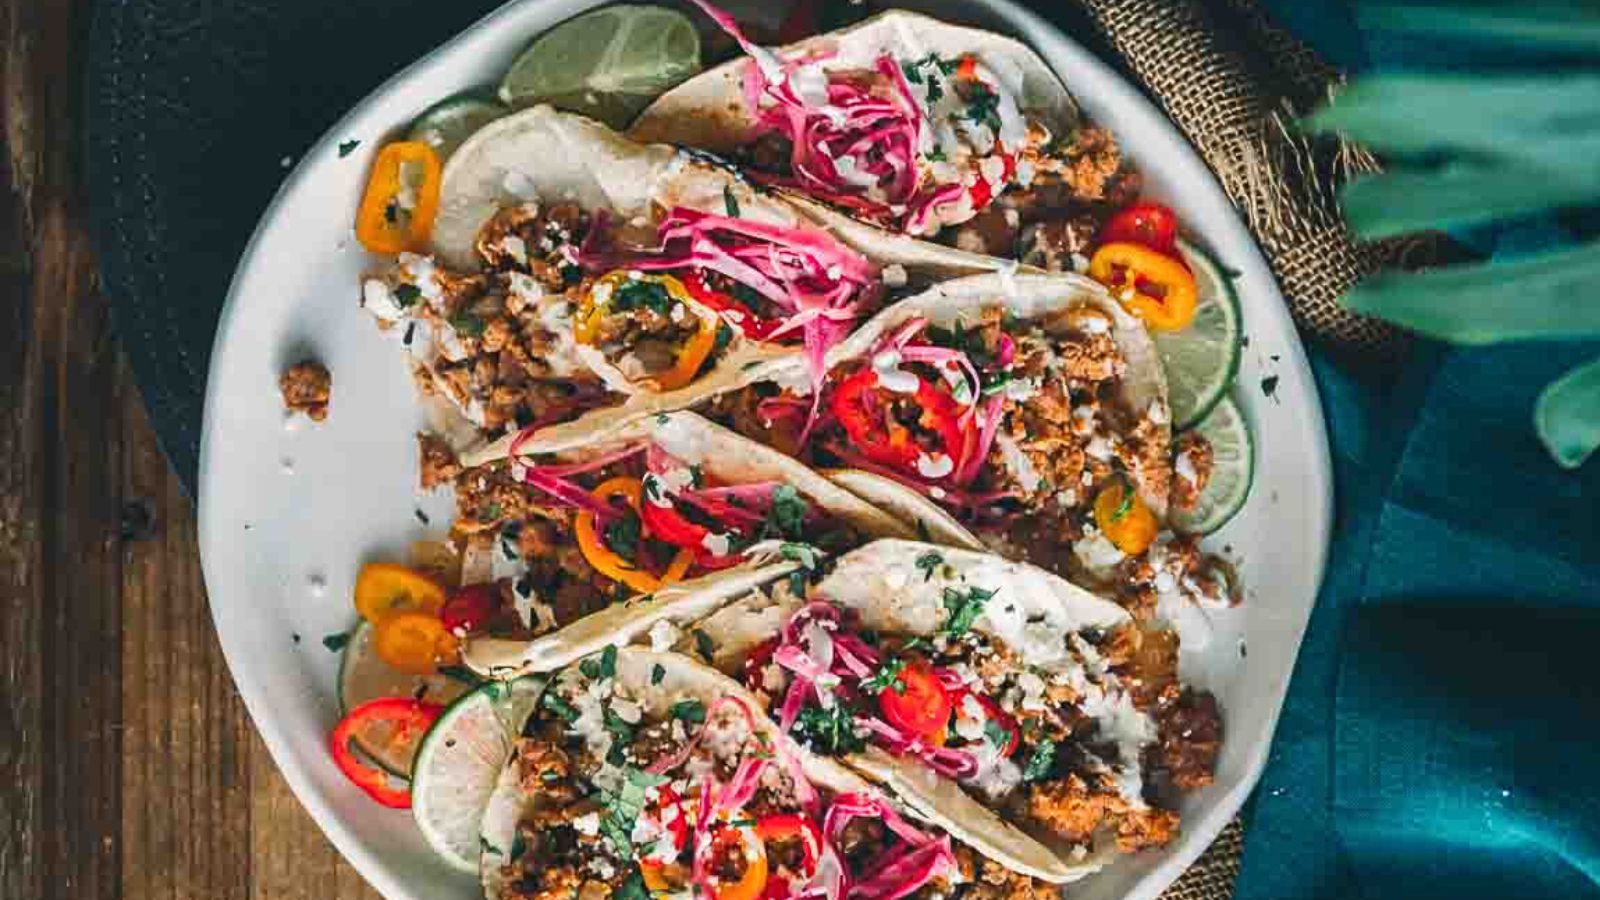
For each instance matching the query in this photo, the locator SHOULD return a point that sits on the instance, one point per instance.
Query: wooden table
(128, 767)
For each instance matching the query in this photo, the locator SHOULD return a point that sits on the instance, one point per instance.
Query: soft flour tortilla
(683, 678)
(725, 457)
(1025, 295)
(709, 112)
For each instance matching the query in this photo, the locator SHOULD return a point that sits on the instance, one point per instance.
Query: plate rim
(1049, 41)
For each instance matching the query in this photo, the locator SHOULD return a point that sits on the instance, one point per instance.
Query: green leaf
(1567, 415)
(1527, 27)
(1412, 114)
(1041, 762)
(689, 711)
(1462, 193)
(1548, 296)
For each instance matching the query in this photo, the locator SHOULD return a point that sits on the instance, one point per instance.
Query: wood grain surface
(128, 767)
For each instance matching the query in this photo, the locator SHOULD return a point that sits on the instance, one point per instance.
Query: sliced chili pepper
(416, 643)
(1153, 286)
(1150, 224)
(387, 589)
(401, 199)
(607, 561)
(675, 826)
(404, 718)
(1124, 519)
(667, 523)
(470, 608)
(916, 702)
(968, 67)
(784, 829)
(982, 191)
(753, 880)
(599, 299)
(864, 408)
(755, 326)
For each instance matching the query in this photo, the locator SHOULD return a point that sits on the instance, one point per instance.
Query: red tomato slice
(922, 707)
(1146, 223)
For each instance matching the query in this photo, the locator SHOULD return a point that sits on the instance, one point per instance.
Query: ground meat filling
(643, 329)
(306, 388)
(436, 462)
(552, 859)
(1191, 469)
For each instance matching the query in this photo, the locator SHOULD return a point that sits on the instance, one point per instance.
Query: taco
(910, 124)
(644, 773)
(1031, 408)
(922, 665)
(578, 280)
(664, 506)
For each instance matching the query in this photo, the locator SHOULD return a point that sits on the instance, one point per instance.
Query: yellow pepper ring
(607, 561)
(691, 356)
(1124, 519)
(1153, 286)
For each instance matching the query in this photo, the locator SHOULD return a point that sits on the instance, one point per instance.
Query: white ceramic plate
(288, 514)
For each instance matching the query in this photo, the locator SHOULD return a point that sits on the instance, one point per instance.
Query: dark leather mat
(192, 107)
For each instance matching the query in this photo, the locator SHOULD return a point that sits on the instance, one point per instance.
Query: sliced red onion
(989, 418)
(957, 764)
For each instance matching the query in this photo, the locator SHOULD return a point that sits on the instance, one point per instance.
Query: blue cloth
(1441, 736)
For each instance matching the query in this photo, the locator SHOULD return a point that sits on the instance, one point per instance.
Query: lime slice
(1232, 468)
(444, 125)
(460, 762)
(608, 64)
(363, 677)
(1202, 360)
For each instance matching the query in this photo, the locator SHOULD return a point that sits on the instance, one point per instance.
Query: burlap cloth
(1234, 82)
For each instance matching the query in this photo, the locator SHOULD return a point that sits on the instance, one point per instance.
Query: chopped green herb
(804, 554)
(555, 704)
(922, 532)
(928, 562)
(1125, 505)
(608, 661)
(632, 888)
(888, 674)
(831, 731)
(998, 735)
(519, 846)
(486, 847)
(620, 593)
(704, 645)
(336, 642)
(662, 418)
(590, 668)
(347, 147)
(461, 674)
(406, 294)
(697, 476)
(983, 105)
(421, 516)
(621, 730)
(467, 324)
(623, 535)
(786, 517)
(295, 636)
(729, 201)
(936, 154)
(689, 711)
(964, 608)
(657, 672)
(1269, 386)
(651, 295)
(1041, 762)
(724, 337)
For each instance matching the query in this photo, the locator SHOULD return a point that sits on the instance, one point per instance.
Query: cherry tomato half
(1150, 224)
(916, 702)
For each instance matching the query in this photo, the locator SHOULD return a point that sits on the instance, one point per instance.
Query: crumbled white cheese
(886, 364)
(664, 635)
(937, 465)
(516, 248)
(379, 300)
(716, 543)
(587, 824)
(1097, 553)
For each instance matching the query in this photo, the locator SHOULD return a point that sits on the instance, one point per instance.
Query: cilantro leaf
(1041, 762)
(997, 734)
(337, 641)
(690, 710)
(729, 201)
(704, 645)
(657, 672)
(632, 888)
(608, 661)
(556, 704)
(964, 608)
(623, 535)
(831, 731)
(804, 554)
(887, 675)
(406, 294)
(928, 562)
(787, 515)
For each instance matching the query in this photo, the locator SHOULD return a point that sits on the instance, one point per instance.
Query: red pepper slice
(406, 718)
(862, 406)
(1153, 225)
(917, 702)
(666, 523)
(676, 827)
(784, 828)
(756, 327)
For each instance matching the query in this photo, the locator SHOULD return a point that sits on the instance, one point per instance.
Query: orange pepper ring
(1173, 309)
(695, 350)
(373, 227)
(607, 561)
(1135, 529)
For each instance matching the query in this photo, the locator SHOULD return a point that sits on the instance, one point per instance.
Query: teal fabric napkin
(1441, 736)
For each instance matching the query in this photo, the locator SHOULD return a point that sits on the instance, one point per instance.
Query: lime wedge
(461, 760)
(1232, 469)
(363, 677)
(444, 125)
(1202, 360)
(608, 64)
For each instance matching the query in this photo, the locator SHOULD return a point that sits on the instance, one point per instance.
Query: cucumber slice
(1232, 470)
(444, 125)
(461, 759)
(607, 64)
(363, 677)
(1202, 360)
